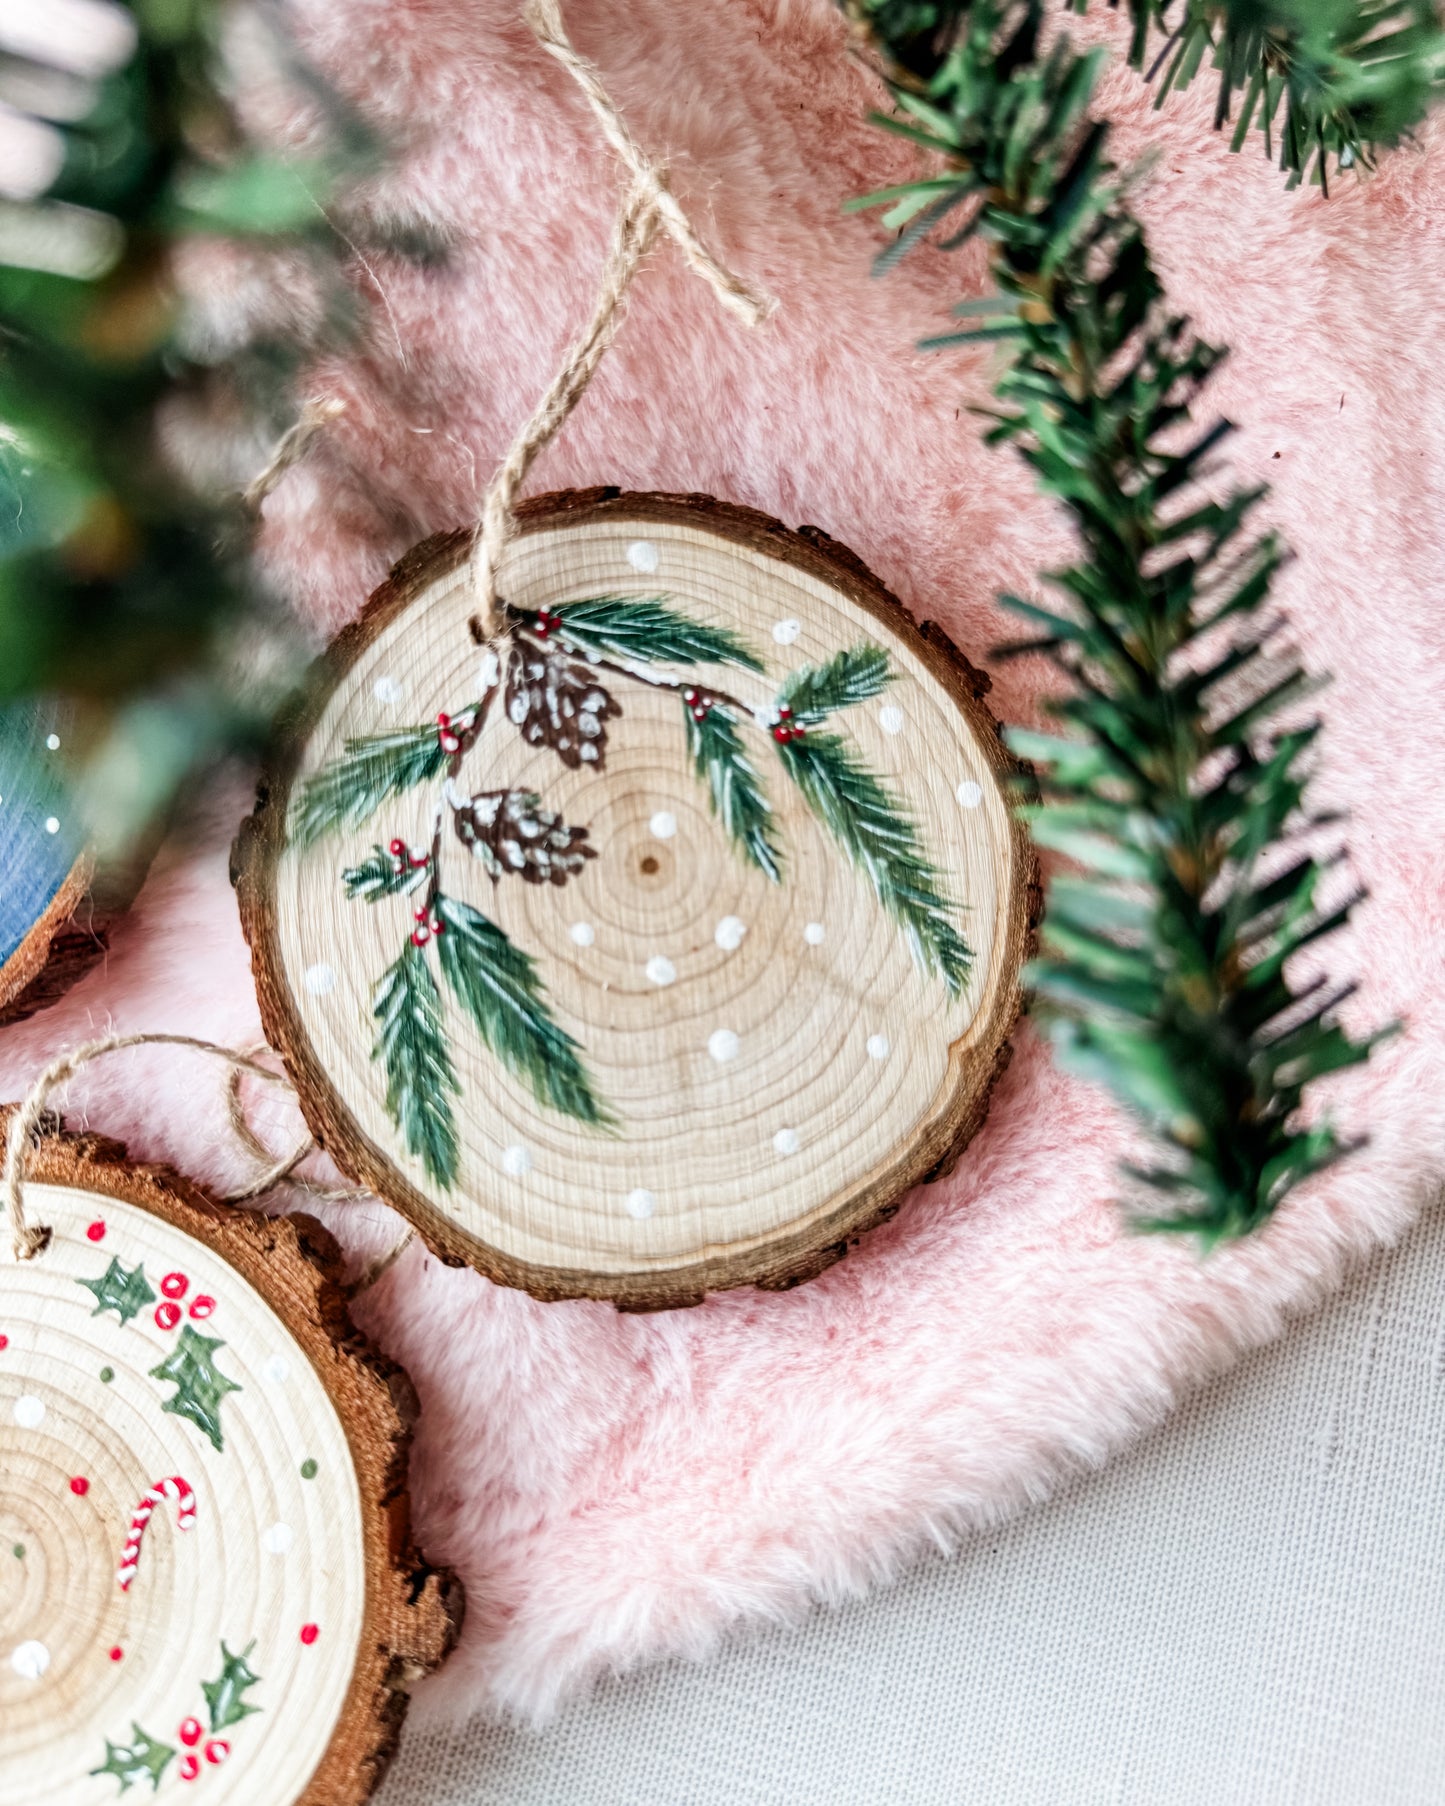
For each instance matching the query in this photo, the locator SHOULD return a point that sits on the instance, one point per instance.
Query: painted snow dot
(729, 933)
(723, 1044)
(660, 969)
(582, 934)
(969, 793)
(319, 979)
(890, 718)
(785, 632)
(30, 1660)
(309, 1634)
(663, 825)
(877, 1047)
(642, 556)
(53, 742)
(387, 689)
(52, 824)
(308, 1469)
(29, 1412)
(80, 1486)
(277, 1370)
(640, 1203)
(277, 1540)
(815, 934)
(786, 1141)
(516, 1161)
(95, 1232)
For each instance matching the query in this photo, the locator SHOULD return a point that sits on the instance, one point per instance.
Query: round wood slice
(662, 945)
(205, 1569)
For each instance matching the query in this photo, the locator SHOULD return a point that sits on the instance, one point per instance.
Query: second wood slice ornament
(660, 943)
(207, 1588)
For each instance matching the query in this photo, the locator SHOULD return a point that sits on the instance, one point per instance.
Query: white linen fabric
(1247, 1610)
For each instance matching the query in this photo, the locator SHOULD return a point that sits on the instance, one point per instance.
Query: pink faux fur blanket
(614, 1488)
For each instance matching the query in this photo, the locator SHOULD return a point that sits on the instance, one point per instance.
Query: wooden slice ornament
(207, 1586)
(660, 943)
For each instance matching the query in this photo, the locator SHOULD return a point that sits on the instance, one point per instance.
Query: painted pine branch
(643, 629)
(850, 677)
(874, 830)
(382, 874)
(411, 1044)
(738, 799)
(372, 768)
(497, 984)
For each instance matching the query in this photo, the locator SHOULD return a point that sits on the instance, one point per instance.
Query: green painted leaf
(376, 766)
(124, 1291)
(497, 984)
(645, 630)
(412, 1046)
(876, 833)
(379, 875)
(734, 786)
(142, 1759)
(850, 677)
(200, 1384)
(224, 1695)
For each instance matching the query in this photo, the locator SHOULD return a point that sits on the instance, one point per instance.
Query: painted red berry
(168, 1315)
(397, 848)
(190, 1732)
(420, 936)
(95, 1231)
(190, 1767)
(217, 1750)
(4, 1343)
(419, 914)
(798, 732)
(309, 1634)
(784, 710)
(419, 857)
(444, 719)
(699, 714)
(80, 1486)
(175, 1285)
(117, 1653)
(781, 734)
(202, 1305)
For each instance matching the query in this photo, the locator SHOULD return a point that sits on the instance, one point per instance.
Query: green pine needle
(352, 788)
(813, 691)
(737, 794)
(412, 1046)
(642, 629)
(874, 831)
(497, 984)
(377, 876)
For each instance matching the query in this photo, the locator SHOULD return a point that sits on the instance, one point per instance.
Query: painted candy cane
(174, 1488)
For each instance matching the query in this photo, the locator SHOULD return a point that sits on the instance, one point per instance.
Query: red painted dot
(202, 1305)
(96, 1230)
(190, 1767)
(116, 1653)
(168, 1315)
(175, 1285)
(190, 1732)
(80, 1486)
(4, 1343)
(217, 1750)
(309, 1633)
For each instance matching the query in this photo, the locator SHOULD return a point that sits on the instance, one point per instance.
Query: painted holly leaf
(510, 831)
(200, 1385)
(139, 1760)
(382, 874)
(641, 628)
(814, 691)
(733, 783)
(557, 702)
(126, 1291)
(411, 1045)
(224, 1699)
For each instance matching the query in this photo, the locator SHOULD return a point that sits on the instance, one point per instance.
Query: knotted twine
(648, 206)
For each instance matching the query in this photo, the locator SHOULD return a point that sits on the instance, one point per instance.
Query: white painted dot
(582, 934)
(319, 979)
(723, 1044)
(52, 824)
(660, 969)
(663, 825)
(53, 742)
(639, 1203)
(278, 1539)
(786, 1141)
(516, 1160)
(277, 1370)
(387, 689)
(877, 1047)
(29, 1412)
(815, 934)
(890, 718)
(969, 793)
(729, 933)
(30, 1660)
(785, 632)
(642, 555)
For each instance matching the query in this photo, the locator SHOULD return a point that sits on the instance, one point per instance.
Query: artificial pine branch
(873, 829)
(1180, 792)
(372, 768)
(738, 801)
(642, 628)
(412, 1046)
